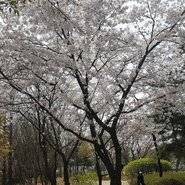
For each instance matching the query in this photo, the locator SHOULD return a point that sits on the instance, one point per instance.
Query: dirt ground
(108, 183)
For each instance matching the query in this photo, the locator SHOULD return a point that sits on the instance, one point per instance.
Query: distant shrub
(146, 165)
(86, 178)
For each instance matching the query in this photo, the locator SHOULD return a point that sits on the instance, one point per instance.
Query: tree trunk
(60, 171)
(114, 170)
(160, 167)
(98, 170)
(115, 176)
(10, 157)
(35, 180)
(66, 174)
(47, 171)
(40, 171)
(55, 169)
(10, 168)
(177, 164)
(4, 171)
(158, 157)
(116, 180)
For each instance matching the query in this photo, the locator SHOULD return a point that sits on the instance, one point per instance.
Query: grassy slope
(169, 178)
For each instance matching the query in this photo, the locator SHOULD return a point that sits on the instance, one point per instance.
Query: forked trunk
(114, 170)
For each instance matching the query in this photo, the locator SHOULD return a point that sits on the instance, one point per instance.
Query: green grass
(86, 178)
(169, 178)
(60, 181)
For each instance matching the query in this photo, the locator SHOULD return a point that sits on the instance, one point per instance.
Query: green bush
(146, 165)
(169, 178)
(86, 178)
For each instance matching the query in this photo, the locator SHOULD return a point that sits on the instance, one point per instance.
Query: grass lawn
(169, 178)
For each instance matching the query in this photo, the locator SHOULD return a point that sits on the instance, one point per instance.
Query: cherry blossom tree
(99, 57)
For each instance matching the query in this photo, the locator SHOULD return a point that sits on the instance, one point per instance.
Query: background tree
(169, 112)
(5, 149)
(172, 136)
(85, 156)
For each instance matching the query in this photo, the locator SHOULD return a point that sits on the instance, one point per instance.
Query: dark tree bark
(66, 174)
(10, 157)
(66, 161)
(177, 164)
(4, 170)
(48, 174)
(98, 170)
(158, 157)
(55, 167)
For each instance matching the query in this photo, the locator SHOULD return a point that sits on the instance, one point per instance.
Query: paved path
(108, 182)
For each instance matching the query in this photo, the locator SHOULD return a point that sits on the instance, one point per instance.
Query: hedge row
(146, 165)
